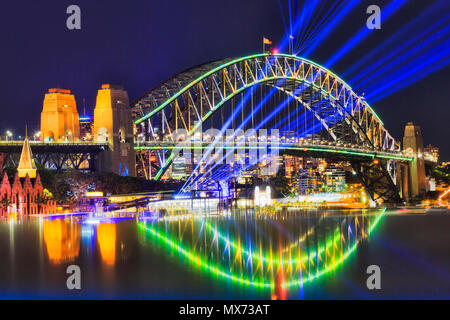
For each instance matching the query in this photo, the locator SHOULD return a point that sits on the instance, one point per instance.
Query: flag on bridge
(266, 41)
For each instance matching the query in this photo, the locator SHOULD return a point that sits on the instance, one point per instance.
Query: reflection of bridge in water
(264, 252)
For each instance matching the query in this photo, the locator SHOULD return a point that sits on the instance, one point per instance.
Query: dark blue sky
(140, 43)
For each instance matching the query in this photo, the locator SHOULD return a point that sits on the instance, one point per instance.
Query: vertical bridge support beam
(377, 181)
(413, 144)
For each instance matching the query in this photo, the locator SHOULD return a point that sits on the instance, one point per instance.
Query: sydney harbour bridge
(218, 111)
(315, 113)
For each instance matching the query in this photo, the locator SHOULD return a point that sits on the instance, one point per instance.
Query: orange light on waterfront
(62, 240)
(106, 238)
(442, 196)
(94, 194)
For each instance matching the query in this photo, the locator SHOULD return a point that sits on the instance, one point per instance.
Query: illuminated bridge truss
(191, 97)
(194, 97)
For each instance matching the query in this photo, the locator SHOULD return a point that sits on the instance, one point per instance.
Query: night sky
(138, 44)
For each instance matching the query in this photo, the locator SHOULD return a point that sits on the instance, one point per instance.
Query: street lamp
(37, 135)
(8, 135)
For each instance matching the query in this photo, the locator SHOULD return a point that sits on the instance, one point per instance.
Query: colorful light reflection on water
(232, 254)
(262, 251)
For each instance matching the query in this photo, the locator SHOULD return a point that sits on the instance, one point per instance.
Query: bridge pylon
(113, 124)
(59, 117)
(415, 179)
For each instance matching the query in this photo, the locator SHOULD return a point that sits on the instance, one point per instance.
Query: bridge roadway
(313, 150)
(39, 147)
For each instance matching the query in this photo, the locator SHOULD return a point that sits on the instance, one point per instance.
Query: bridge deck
(312, 149)
(39, 147)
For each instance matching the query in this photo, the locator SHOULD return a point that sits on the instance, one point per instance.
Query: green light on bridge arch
(295, 148)
(159, 108)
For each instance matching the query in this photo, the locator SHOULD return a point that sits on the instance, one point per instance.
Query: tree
(280, 185)
(41, 200)
(5, 203)
(69, 185)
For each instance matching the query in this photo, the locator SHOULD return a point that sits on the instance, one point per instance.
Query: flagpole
(291, 44)
(264, 45)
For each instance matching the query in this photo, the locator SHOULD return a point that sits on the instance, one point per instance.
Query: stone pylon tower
(413, 144)
(59, 117)
(113, 124)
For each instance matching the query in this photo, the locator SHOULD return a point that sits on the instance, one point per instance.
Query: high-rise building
(334, 178)
(59, 117)
(178, 170)
(291, 165)
(432, 152)
(86, 124)
(308, 181)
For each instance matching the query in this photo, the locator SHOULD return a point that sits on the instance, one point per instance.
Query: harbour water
(236, 254)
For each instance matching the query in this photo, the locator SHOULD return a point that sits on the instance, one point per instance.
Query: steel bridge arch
(197, 93)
